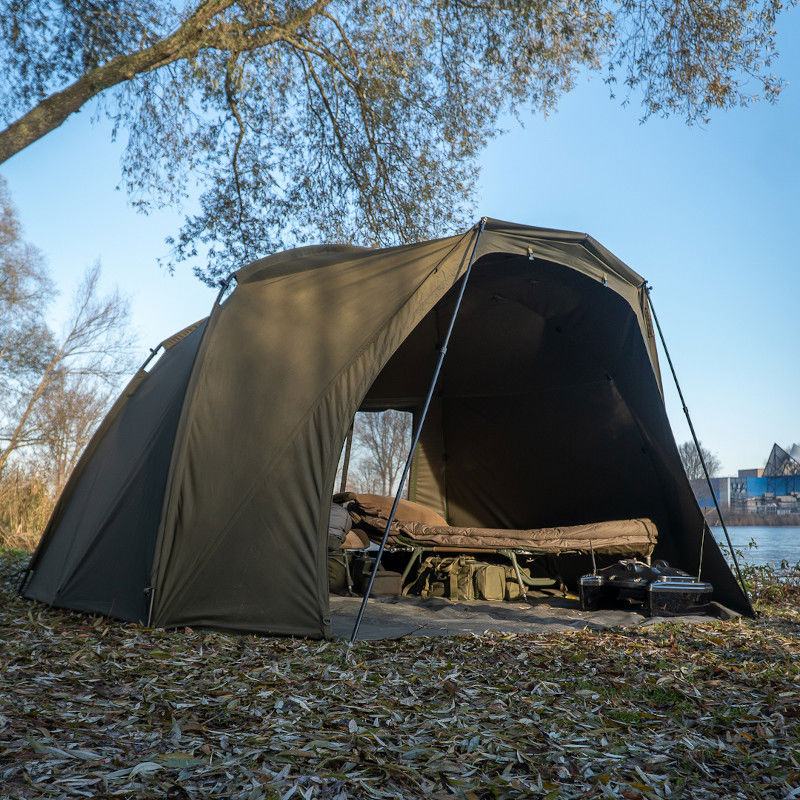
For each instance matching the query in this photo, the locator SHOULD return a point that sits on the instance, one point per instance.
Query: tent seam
(177, 451)
(314, 407)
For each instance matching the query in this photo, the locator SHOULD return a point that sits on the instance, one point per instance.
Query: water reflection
(774, 544)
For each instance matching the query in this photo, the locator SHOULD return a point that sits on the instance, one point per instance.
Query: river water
(772, 544)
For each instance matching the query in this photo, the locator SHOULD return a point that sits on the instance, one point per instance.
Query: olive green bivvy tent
(203, 499)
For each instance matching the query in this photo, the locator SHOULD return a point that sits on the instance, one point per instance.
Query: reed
(26, 500)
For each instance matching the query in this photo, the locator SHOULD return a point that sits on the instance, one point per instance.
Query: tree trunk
(346, 465)
(45, 381)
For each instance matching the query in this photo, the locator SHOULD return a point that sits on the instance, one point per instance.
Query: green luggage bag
(490, 582)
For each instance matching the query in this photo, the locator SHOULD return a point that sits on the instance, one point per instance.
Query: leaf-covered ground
(94, 708)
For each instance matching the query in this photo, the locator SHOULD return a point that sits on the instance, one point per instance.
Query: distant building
(722, 489)
(775, 489)
(781, 462)
(757, 472)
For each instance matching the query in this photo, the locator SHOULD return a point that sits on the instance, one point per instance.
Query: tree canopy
(349, 120)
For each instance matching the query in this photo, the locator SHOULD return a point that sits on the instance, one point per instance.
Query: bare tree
(94, 349)
(381, 440)
(66, 418)
(25, 291)
(349, 120)
(692, 464)
(54, 389)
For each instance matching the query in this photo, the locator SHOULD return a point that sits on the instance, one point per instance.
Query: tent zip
(420, 423)
(647, 289)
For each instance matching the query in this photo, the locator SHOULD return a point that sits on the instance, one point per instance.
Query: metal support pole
(423, 413)
(522, 589)
(416, 554)
(346, 463)
(153, 353)
(223, 287)
(696, 442)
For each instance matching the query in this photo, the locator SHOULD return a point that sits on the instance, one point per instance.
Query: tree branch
(230, 96)
(187, 41)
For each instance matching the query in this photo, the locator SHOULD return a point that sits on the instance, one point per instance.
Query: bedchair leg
(417, 552)
(348, 574)
(522, 588)
(533, 583)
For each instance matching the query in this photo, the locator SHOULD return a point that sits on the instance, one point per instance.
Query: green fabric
(548, 412)
(490, 582)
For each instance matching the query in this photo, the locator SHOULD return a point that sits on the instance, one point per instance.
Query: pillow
(355, 540)
(375, 505)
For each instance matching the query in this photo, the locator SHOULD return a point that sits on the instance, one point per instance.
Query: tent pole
(346, 463)
(223, 287)
(415, 439)
(696, 442)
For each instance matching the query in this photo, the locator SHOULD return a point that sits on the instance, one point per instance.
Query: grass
(91, 707)
(26, 501)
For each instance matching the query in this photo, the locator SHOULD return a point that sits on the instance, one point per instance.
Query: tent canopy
(203, 498)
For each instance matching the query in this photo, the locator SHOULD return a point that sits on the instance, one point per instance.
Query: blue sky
(708, 214)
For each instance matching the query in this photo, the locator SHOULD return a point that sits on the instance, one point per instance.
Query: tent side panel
(98, 553)
(284, 368)
(405, 386)
(428, 472)
(682, 547)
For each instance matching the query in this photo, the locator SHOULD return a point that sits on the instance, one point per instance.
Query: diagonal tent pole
(346, 463)
(696, 443)
(442, 351)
